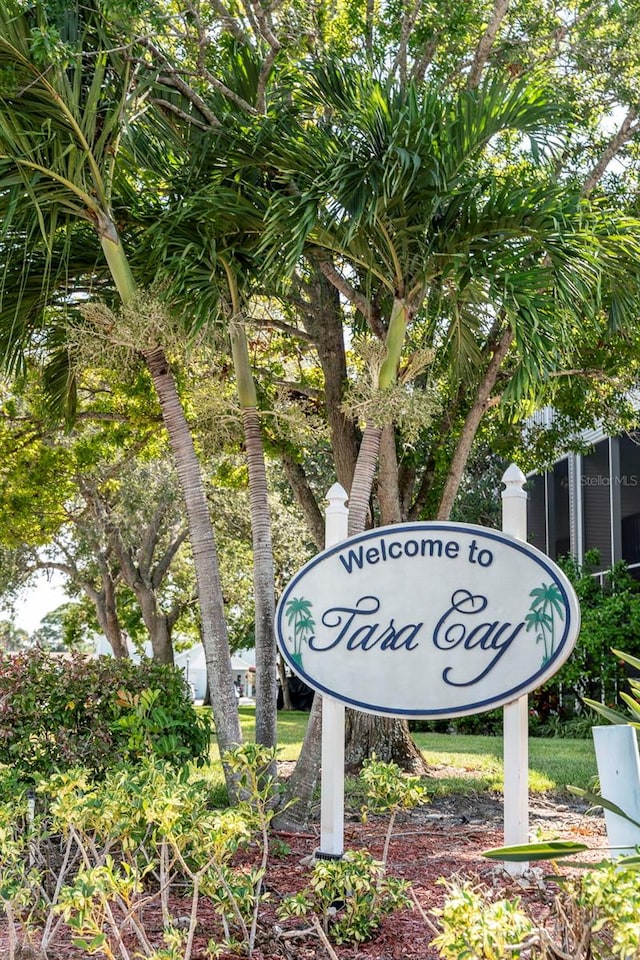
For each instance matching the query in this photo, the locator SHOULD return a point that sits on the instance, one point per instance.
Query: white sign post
(515, 715)
(332, 762)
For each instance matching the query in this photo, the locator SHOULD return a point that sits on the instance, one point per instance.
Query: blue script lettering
(364, 636)
(493, 636)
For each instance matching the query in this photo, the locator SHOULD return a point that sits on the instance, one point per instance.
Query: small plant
(20, 880)
(389, 790)
(237, 894)
(473, 928)
(130, 840)
(610, 898)
(350, 897)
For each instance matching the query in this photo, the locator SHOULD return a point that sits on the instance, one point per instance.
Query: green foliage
(351, 896)
(613, 896)
(389, 790)
(631, 700)
(20, 878)
(137, 836)
(610, 618)
(475, 929)
(12, 638)
(595, 916)
(58, 714)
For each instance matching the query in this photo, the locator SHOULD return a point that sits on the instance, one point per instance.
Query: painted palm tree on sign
(298, 613)
(545, 606)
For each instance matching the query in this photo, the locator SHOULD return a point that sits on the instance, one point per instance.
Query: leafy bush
(58, 714)
(610, 617)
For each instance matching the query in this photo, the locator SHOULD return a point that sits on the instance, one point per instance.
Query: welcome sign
(427, 620)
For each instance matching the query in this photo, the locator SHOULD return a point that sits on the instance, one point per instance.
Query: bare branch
(471, 424)
(627, 129)
(165, 561)
(422, 64)
(408, 23)
(264, 26)
(228, 92)
(342, 285)
(171, 78)
(287, 328)
(304, 495)
(485, 45)
(229, 22)
(172, 108)
(265, 70)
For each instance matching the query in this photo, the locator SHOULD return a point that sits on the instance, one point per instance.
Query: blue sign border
(479, 706)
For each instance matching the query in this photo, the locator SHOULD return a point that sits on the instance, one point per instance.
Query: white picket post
(619, 774)
(515, 714)
(332, 769)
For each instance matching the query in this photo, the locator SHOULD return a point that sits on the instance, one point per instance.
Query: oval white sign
(428, 620)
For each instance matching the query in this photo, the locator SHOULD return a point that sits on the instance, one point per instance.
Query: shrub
(58, 714)
(594, 917)
(350, 896)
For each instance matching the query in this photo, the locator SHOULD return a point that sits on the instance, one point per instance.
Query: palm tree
(202, 249)
(441, 243)
(62, 124)
(400, 193)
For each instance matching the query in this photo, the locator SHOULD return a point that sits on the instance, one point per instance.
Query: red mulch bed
(444, 839)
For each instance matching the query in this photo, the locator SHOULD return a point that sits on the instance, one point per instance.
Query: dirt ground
(443, 839)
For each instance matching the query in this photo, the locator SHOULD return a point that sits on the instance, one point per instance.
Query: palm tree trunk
(215, 639)
(263, 574)
(263, 584)
(360, 493)
(214, 627)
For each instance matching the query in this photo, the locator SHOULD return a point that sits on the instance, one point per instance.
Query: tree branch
(304, 495)
(172, 108)
(471, 424)
(420, 66)
(485, 45)
(408, 23)
(625, 132)
(164, 563)
(342, 285)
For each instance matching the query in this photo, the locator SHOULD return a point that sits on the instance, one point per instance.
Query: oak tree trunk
(386, 737)
(107, 614)
(298, 796)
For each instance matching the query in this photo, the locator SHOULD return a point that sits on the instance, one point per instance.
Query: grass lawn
(459, 763)
(462, 763)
